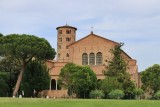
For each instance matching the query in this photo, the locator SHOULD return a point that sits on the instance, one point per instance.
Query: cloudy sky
(133, 22)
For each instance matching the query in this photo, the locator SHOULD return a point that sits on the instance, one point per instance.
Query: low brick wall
(54, 93)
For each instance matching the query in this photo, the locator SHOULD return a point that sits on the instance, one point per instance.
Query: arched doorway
(53, 84)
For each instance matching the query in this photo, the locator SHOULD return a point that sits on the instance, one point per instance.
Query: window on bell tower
(59, 46)
(68, 39)
(68, 31)
(67, 55)
(59, 39)
(60, 32)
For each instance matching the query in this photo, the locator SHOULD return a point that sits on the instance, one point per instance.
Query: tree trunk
(18, 83)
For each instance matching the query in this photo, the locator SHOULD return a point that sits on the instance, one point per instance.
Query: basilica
(92, 50)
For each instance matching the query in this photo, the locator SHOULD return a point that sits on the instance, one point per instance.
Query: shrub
(138, 92)
(3, 88)
(96, 94)
(157, 95)
(116, 94)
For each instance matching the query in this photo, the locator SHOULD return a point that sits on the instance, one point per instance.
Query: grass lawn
(41, 102)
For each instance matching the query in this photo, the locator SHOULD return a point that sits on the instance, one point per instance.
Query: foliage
(150, 78)
(3, 88)
(116, 94)
(138, 92)
(24, 48)
(3, 84)
(109, 84)
(117, 68)
(128, 88)
(9, 64)
(36, 78)
(96, 94)
(157, 95)
(79, 80)
(11, 67)
(1, 35)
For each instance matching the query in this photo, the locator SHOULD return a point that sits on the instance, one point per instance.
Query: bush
(138, 92)
(116, 94)
(96, 94)
(3, 88)
(157, 95)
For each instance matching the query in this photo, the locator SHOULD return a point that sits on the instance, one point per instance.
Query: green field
(40, 102)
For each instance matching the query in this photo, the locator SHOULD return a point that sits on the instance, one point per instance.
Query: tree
(109, 84)
(24, 48)
(151, 78)
(35, 78)
(11, 67)
(138, 92)
(79, 80)
(96, 94)
(116, 94)
(3, 84)
(157, 95)
(117, 68)
(84, 81)
(1, 35)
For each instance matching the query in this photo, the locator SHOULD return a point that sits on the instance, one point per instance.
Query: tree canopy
(79, 80)
(24, 48)
(151, 78)
(117, 69)
(35, 79)
(1, 35)
(109, 84)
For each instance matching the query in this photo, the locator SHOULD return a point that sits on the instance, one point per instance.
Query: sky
(136, 23)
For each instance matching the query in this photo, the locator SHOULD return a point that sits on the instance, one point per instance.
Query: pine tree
(117, 68)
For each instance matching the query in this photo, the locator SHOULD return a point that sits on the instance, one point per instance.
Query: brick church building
(92, 50)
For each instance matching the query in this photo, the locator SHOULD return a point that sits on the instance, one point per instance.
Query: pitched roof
(66, 26)
(92, 34)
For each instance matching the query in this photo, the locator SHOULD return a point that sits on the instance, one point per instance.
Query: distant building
(91, 50)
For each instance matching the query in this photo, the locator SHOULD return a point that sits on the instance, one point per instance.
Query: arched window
(60, 32)
(84, 59)
(68, 31)
(59, 39)
(99, 58)
(91, 59)
(68, 39)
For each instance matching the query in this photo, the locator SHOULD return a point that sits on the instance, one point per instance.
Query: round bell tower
(66, 35)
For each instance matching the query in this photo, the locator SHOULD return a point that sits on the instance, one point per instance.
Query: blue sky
(133, 22)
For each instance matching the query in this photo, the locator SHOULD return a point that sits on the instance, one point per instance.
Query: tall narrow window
(67, 55)
(59, 46)
(84, 59)
(60, 31)
(68, 31)
(99, 58)
(60, 39)
(68, 39)
(91, 59)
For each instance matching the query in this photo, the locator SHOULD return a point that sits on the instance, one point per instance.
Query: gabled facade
(92, 50)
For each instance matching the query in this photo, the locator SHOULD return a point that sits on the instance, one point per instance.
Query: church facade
(92, 50)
